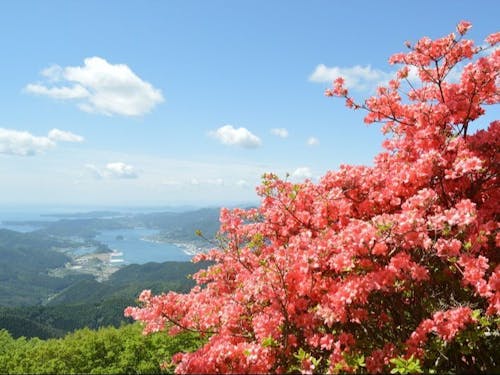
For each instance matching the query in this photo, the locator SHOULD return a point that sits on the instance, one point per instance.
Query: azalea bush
(388, 268)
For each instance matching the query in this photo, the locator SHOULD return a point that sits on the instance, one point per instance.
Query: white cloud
(280, 132)
(312, 141)
(23, 143)
(366, 78)
(120, 170)
(117, 170)
(242, 137)
(301, 173)
(53, 73)
(100, 87)
(242, 183)
(195, 182)
(63, 136)
(63, 93)
(362, 78)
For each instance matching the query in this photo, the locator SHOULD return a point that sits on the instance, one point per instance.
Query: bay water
(133, 243)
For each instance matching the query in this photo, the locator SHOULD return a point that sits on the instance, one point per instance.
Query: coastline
(190, 248)
(103, 264)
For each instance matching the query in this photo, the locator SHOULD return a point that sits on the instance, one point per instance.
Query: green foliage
(356, 361)
(474, 350)
(106, 351)
(406, 366)
(269, 342)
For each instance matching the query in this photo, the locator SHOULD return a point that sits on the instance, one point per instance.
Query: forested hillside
(88, 303)
(25, 259)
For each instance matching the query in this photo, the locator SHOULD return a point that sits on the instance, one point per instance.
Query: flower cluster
(369, 261)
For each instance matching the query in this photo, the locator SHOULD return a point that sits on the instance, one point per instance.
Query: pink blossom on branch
(370, 262)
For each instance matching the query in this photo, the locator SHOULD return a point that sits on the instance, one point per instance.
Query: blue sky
(189, 102)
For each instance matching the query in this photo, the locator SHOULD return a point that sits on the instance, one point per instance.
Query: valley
(81, 270)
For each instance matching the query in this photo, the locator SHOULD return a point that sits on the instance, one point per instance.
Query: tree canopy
(108, 350)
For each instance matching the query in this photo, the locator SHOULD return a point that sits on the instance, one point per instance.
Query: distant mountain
(88, 303)
(173, 226)
(182, 227)
(25, 259)
(30, 240)
(86, 228)
(86, 215)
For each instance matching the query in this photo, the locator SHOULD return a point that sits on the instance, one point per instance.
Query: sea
(136, 246)
(6, 215)
(130, 246)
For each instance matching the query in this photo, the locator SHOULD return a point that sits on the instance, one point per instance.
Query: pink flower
(493, 38)
(463, 26)
(145, 295)
(447, 248)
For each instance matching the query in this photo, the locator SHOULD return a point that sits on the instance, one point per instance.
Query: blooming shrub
(372, 269)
